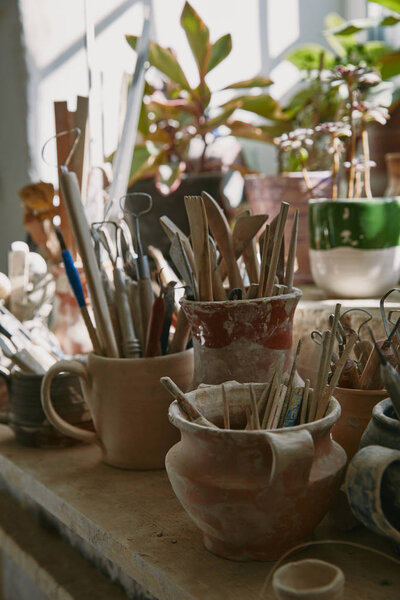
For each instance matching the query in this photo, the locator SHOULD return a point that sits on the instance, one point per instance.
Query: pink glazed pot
(253, 494)
(241, 340)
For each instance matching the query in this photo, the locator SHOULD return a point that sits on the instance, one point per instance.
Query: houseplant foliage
(175, 114)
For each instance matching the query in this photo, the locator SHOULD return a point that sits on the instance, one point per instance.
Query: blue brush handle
(73, 278)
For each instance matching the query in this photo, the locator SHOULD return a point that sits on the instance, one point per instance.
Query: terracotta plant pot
(373, 489)
(308, 579)
(129, 406)
(357, 407)
(241, 340)
(265, 193)
(383, 428)
(355, 246)
(253, 494)
(25, 414)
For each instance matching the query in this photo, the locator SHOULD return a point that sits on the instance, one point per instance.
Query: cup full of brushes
(240, 312)
(250, 470)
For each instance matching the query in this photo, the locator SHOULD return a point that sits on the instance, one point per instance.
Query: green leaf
(390, 4)
(263, 133)
(198, 36)
(145, 163)
(357, 25)
(390, 64)
(164, 60)
(262, 104)
(374, 51)
(219, 51)
(308, 57)
(250, 83)
(220, 119)
(340, 44)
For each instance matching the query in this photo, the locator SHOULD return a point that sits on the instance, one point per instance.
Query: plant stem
(350, 189)
(307, 181)
(335, 167)
(365, 147)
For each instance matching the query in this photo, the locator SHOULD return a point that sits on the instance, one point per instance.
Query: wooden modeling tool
(222, 234)
(155, 328)
(182, 334)
(276, 249)
(304, 404)
(264, 265)
(80, 227)
(199, 233)
(254, 408)
(218, 288)
(76, 285)
(190, 410)
(291, 259)
(171, 230)
(182, 263)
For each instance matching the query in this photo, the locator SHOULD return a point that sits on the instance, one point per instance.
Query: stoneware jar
(253, 494)
(309, 579)
(24, 413)
(357, 407)
(354, 245)
(373, 489)
(383, 428)
(129, 405)
(241, 340)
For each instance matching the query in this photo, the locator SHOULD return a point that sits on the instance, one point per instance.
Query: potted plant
(354, 237)
(181, 125)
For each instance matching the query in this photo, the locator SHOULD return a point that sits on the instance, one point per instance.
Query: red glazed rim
(293, 294)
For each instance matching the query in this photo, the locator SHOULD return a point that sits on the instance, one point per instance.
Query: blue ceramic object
(383, 428)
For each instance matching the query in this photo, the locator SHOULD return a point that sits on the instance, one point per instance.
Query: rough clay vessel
(129, 405)
(357, 407)
(373, 489)
(241, 340)
(308, 579)
(253, 494)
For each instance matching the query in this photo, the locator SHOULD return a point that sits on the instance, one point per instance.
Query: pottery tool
(80, 227)
(169, 303)
(123, 157)
(390, 377)
(294, 407)
(199, 233)
(182, 334)
(264, 265)
(219, 292)
(304, 404)
(171, 230)
(350, 378)
(190, 410)
(13, 329)
(244, 242)
(134, 302)
(276, 249)
(223, 237)
(254, 408)
(180, 258)
(155, 327)
(130, 344)
(322, 374)
(291, 259)
(146, 294)
(225, 404)
(76, 285)
(273, 387)
(395, 329)
(20, 357)
(326, 396)
(166, 273)
(289, 384)
(277, 406)
(252, 291)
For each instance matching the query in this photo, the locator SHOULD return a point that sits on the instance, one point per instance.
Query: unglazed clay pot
(129, 405)
(253, 494)
(308, 579)
(357, 407)
(383, 428)
(355, 245)
(373, 489)
(241, 339)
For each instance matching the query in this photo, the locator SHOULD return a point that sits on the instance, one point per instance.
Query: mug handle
(76, 368)
(5, 374)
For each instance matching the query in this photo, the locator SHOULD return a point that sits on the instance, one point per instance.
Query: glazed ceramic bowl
(355, 245)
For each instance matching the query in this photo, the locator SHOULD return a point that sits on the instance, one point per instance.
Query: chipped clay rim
(295, 293)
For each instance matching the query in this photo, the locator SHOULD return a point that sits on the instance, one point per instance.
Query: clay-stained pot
(308, 579)
(373, 489)
(241, 340)
(265, 193)
(129, 405)
(24, 413)
(253, 494)
(383, 428)
(357, 407)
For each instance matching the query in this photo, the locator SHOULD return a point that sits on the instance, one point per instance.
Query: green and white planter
(355, 245)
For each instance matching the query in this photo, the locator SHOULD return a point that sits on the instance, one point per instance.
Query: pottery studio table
(72, 528)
